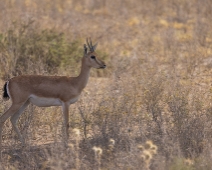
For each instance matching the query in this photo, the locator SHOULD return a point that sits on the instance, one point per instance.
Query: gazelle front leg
(65, 108)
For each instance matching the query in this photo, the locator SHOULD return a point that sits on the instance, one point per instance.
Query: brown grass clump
(150, 109)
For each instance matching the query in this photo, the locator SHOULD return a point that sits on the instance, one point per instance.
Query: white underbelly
(47, 102)
(44, 102)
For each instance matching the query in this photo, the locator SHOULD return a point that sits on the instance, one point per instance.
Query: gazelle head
(90, 57)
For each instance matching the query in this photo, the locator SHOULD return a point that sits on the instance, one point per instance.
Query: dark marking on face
(93, 57)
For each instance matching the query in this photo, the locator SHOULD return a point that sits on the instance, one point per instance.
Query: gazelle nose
(103, 66)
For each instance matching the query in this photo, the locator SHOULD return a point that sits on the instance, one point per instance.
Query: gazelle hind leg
(13, 109)
(14, 119)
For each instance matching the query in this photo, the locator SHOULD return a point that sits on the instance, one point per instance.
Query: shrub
(26, 49)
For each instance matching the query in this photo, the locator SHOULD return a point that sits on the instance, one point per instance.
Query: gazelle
(46, 91)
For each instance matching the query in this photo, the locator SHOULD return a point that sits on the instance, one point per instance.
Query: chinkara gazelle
(46, 91)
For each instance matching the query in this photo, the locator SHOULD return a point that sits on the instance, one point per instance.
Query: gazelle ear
(85, 50)
(94, 47)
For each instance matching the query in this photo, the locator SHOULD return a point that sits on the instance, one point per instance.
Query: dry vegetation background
(150, 109)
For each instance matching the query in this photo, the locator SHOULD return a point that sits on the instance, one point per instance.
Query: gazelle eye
(93, 57)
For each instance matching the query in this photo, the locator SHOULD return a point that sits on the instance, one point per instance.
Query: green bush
(181, 164)
(25, 49)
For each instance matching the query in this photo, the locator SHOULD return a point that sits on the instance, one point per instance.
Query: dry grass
(150, 109)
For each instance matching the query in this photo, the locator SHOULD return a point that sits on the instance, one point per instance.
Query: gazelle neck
(83, 77)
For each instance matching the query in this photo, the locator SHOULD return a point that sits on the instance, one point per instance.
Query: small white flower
(76, 131)
(97, 150)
